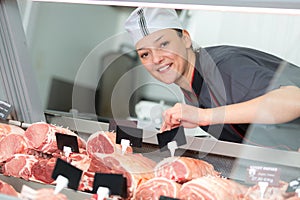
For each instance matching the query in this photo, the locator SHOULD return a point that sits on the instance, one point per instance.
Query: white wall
(278, 34)
(62, 36)
(68, 40)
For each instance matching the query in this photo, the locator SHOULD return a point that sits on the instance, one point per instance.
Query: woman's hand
(183, 115)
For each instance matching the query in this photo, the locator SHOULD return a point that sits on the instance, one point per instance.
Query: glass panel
(86, 65)
(85, 62)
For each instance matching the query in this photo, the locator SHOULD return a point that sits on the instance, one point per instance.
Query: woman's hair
(180, 34)
(178, 31)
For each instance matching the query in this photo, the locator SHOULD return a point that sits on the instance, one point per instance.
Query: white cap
(144, 21)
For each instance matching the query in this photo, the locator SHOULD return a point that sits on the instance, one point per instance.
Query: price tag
(68, 141)
(113, 123)
(72, 173)
(294, 185)
(270, 175)
(134, 135)
(176, 134)
(5, 109)
(116, 183)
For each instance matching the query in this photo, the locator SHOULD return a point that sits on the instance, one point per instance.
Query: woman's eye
(164, 44)
(144, 55)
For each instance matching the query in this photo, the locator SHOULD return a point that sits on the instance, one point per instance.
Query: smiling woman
(220, 83)
(164, 54)
(229, 71)
(209, 29)
(205, 25)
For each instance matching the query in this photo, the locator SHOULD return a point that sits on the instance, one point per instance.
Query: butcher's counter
(18, 183)
(231, 159)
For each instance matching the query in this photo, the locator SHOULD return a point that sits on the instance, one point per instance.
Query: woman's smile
(164, 68)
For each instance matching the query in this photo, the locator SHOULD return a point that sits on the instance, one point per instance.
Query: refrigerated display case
(232, 160)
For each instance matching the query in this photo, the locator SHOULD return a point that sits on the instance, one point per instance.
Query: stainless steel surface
(6, 197)
(203, 145)
(290, 4)
(17, 183)
(79, 125)
(16, 73)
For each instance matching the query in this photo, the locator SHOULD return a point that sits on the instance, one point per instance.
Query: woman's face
(165, 55)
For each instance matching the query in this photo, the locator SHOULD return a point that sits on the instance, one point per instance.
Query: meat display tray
(18, 183)
(6, 197)
(231, 159)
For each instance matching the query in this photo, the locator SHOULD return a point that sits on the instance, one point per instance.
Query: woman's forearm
(277, 106)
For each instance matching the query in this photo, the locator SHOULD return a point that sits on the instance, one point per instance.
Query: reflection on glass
(87, 46)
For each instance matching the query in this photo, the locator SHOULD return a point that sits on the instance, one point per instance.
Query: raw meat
(135, 167)
(211, 187)
(86, 181)
(295, 197)
(156, 187)
(13, 143)
(42, 170)
(183, 169)
(19, 166)
(104, 142)
(30, 168)
(6, 129)
(81, 161)
(8, 189)
(271, 193)
(41, 137)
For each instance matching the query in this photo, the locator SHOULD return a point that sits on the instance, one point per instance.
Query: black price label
(5, 109)
(294, 185)
(72, 173)
(257, 174)
(176, 134)
(67, 140)
(134, 135)
(116, 183)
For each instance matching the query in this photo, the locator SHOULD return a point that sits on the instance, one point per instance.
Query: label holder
(176, 134)
(72, 173)
(67, 140)
(134, 135)
(116, 183)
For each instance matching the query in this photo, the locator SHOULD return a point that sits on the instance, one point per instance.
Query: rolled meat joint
(134, 167)
(156, 187)
(212, 188)
(20, 166)
(13, 143)
(271, 193)
(30, 167)
(8, 189)
(183, 169)
(41, 137)
(104, 142)
(6, 129)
